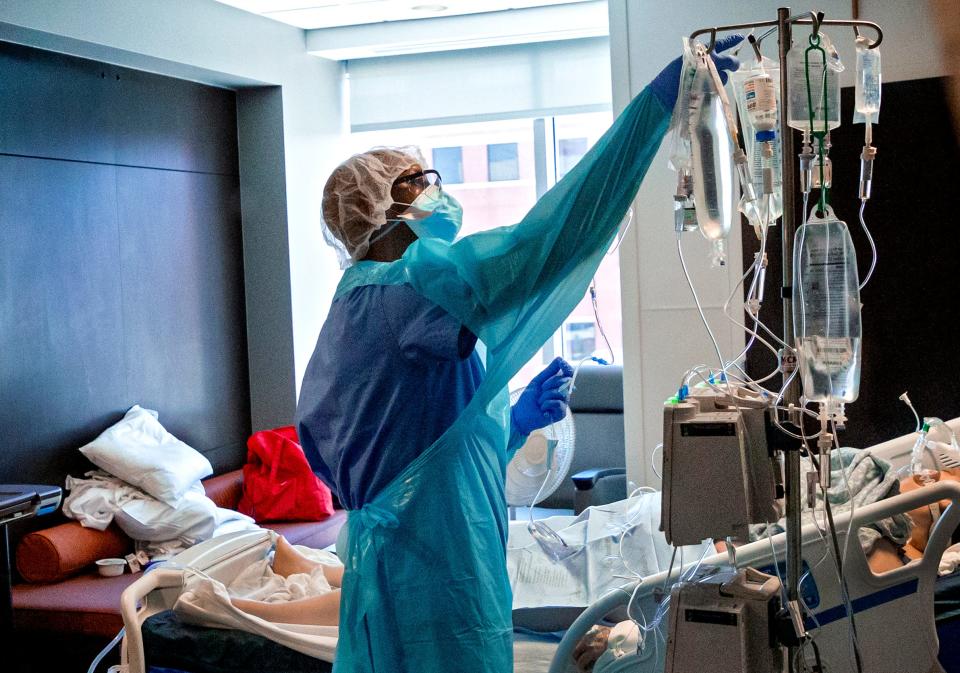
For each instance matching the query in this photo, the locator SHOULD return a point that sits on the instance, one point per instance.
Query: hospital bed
(894, 610)
(153, 632)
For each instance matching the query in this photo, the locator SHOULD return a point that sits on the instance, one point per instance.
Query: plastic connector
(866, 171)
(746, 181)
(806, 171)
(683, 393)
(827, 170)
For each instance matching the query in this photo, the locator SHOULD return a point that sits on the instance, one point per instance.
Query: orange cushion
(56, 553)
(85, 604)
(225, 489)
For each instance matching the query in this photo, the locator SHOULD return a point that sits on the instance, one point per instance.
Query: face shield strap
(385, 230)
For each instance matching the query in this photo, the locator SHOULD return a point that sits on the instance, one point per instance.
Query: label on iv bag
(823, 278)
(760, 95)
(827, 310)
(831, 354)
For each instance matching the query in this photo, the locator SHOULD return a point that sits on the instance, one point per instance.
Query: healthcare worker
(401, 417)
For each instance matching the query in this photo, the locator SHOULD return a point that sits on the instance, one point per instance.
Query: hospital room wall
(289, 119)
(662, 331)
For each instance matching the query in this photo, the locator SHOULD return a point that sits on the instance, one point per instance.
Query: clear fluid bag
(823, 68)
(868, 84)
(681, 154)
(714, 184)
(756, 90)
(826, 310)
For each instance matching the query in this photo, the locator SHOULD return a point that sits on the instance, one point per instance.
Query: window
(448, 161)
(503, 162)
(581, 339)
(492, 168)
(569, 152)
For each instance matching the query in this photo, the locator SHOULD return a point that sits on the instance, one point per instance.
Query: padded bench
(88, 604)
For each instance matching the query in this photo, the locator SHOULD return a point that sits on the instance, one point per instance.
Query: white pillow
(141, 452)
(149, 520)
(194, 520)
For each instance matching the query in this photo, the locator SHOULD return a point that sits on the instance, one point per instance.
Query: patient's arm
(323, 610)
(334, 575)
(885, 555)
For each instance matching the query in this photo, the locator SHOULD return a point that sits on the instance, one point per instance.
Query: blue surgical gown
(385, 357)
(425, 586)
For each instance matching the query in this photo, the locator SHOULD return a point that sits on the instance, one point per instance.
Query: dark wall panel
(168, 123)
(61, 325)
(909, 304)
(121, 262)
(55, 106)
(70, 108)
(181, 268)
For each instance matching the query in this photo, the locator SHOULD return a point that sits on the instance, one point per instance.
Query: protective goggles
(420, 179)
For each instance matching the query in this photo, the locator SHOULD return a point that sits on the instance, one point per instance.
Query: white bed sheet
(207, 603)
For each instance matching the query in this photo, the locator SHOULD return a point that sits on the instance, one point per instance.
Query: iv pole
(783, 27)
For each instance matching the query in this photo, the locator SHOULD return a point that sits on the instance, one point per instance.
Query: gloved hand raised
(544, 401)
(666, 85)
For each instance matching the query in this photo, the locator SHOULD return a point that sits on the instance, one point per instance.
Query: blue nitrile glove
(666, 85)
(544, 401)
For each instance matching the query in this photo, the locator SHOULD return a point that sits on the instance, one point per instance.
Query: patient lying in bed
(320, 609)
(603, 645)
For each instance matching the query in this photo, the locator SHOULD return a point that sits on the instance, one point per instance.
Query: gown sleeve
(513, 286)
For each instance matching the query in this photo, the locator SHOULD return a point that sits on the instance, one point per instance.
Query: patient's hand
(923, 517)
(591, 646)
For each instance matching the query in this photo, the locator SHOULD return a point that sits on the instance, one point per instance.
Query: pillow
(56, 553)
(141, 452)
(195, 519)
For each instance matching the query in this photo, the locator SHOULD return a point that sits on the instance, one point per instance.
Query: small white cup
(111, 567)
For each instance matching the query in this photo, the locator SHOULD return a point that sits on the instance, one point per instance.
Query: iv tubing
(873, 246)
(696, 299)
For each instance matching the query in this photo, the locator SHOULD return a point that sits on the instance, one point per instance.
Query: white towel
(159, 529)
(950, 560)
(259, 583)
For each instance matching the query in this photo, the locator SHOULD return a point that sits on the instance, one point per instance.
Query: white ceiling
(310, 14)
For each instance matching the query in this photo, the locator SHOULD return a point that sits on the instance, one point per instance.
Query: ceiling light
(429, 8)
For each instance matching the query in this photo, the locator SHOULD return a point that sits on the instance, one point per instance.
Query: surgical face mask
(434, 214)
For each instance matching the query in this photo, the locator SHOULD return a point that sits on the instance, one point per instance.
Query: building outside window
(449, 162)
(569, 152)
(503, 162)
(580, 336)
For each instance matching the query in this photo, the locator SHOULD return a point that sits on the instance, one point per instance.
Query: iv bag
(680, 119)
(867, 90)
(826, 310)
(714, 185)
(757, 104)
(821, 69)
